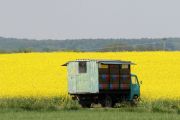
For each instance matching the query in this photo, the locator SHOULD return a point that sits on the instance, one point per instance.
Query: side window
(134, 80)
(82, 67)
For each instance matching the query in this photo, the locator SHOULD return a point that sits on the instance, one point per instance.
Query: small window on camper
(82, 67)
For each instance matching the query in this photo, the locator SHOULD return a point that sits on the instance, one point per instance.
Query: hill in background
(8, 45)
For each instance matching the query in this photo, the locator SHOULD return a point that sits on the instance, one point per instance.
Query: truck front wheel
(135, 101)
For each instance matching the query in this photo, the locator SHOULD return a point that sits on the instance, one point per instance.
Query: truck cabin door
(135, 87)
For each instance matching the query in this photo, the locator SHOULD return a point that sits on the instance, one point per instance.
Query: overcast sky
(73, 19)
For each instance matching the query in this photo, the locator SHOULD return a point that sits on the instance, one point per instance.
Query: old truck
(102, 81)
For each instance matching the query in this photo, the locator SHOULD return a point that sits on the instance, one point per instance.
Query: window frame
(82, 67)
(136, 80)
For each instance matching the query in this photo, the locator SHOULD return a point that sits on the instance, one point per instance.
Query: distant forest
(13, 45)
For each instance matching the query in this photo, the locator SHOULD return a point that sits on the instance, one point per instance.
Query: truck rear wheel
(85, 105)
(107, 102)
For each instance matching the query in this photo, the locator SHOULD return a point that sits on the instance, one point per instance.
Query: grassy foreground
(58, 108)
(87, 114)
(66, 103)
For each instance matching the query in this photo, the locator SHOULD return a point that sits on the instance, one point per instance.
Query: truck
(104, 82)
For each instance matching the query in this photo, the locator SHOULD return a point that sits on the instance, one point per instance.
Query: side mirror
(141, 82)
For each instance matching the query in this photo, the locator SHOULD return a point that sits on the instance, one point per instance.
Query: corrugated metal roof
(116, 62)
(103, 61)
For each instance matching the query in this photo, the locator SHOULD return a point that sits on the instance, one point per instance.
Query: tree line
(13, 45)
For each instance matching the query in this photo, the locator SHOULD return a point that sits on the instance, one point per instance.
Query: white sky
(73, 19)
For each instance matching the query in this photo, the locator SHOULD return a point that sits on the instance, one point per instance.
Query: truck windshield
(134, 80)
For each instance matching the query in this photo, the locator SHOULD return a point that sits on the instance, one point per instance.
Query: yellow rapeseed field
(41, 74)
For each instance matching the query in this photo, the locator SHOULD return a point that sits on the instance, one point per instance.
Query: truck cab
(135, 87)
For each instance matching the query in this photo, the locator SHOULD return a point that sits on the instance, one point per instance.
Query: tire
(85, 104)
(114, 104)
(107, 102)
(135, 101)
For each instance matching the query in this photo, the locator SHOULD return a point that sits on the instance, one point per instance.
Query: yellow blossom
(41, 74)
